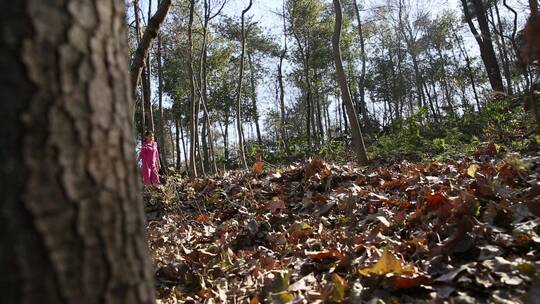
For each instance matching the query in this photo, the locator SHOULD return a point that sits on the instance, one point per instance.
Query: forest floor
(461, 231)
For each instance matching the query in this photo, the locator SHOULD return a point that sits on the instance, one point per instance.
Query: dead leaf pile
(462, 231)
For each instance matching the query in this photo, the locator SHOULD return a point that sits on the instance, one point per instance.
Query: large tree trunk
(150, 33)
(487, 53)
(241, 148)
(71, 222)
(357, 139)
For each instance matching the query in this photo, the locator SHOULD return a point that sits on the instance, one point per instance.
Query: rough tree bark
(241, 148)
(150, 33)
(357, 139)
(71, 219)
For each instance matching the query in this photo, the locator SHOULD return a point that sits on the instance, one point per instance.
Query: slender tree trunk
(138, 38)
(327, 117)
(161, 127)
(184, 147)
(470, 72)
(178, 150)
(148, 117)
(319, 117)
(147, 75)
(204, 77)
(357, 139)
(282, 56)
(204, 145)
(171, 140)
(192, 99)
(504, 52)
(226, 141)
(65, 236)
(308, 100)
(361, 81)
(344, 112)
(282, 112)
(254, 99)
(241, 149)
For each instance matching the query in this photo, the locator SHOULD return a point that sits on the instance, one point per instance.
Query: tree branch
(148, 37)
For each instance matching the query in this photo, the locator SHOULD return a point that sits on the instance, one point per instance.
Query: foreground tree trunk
(357, 139)
(71, 220)
(241, 149)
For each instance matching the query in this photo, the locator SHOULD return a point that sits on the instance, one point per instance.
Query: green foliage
(454, 135)
(333, 150)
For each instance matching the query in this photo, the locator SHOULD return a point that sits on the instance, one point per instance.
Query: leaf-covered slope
(465, 231)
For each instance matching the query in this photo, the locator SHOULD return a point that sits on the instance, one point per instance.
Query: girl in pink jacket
(150, 160)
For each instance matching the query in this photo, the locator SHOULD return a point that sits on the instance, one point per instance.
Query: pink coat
(150, 158)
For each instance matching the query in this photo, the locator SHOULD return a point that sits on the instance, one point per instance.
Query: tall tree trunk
(192, 100)
(148, 115)
(147, 72)
(470, 72)
(282, 56)
(254, 99)
(308, 100)
(138, 39)
(304, 52)
(487, 53)
(361, 81)
(150, 33)
(241, 148)
(184, 147)
(344, 112)
(282, 112)
(319, 117)
(208, 16)
(504, 52)
(161, 126)
(65, 236)
(357, 139)
(178, 150)
(204, 145)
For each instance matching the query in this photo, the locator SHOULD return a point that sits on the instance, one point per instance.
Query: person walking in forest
(150, 160)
